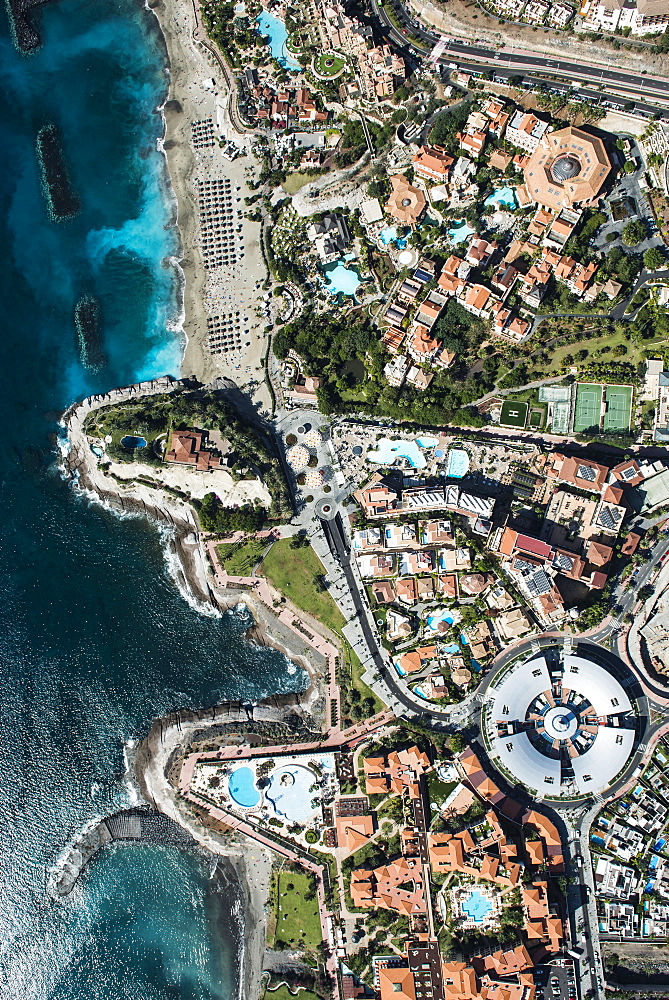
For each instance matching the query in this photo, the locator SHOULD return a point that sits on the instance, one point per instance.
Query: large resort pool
(273, 26)
(502, 198)
(476, 906)
(288, 792)
(341, 278)
(458, 463)
(242, 788)
(388, 451)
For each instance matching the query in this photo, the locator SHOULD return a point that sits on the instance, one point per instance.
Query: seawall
(127, 825)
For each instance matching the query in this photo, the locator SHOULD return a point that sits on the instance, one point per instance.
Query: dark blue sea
(95, 640)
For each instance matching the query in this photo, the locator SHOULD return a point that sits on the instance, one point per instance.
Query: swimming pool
(460, 231)
(502, 197)
(458, 463)
(419, 691)
(387, 451)
(476, 906)
(435, 619)
(130, 441)
(242, 788)
(273, 26)
(659, 844)
(400, 670)
(389, 235)
(427, 442)
(452, 647)
(340, 279)
(288, 791)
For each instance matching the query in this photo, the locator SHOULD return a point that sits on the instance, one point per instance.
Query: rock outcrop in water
(88, 321)
(23, 23)
(62, 199)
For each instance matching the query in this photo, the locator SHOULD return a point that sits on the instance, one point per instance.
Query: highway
(508, 62)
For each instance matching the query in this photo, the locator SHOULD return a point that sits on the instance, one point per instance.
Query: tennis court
(618, 414)
(514, 413)
(588, 406)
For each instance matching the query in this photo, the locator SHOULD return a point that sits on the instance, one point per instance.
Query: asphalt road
(628, 84)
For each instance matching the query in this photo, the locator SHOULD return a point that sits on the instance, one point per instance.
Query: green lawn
(283, 993)
(293, 571)
(357, 670)
(297, 920)
(438, 790)
(328, 64)
(239, 558)
(294, 182)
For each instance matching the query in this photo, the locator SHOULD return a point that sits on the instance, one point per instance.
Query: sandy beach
(224, 320)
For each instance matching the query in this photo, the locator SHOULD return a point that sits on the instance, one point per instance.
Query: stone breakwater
(127, 825)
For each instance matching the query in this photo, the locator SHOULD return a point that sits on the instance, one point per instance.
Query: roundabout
(563, 720)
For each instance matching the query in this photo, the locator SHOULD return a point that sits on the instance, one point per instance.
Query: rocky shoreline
(158, 755)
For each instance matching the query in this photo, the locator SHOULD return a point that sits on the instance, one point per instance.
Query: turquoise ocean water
(95, 640)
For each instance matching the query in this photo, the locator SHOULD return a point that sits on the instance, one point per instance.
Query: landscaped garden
(239, 558)
(329, 64)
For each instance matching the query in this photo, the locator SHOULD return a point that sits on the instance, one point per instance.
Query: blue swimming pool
(427, 442)
(458, 463)
(289, 792)
(400, 670)
(275, 28)
(659, 844)
(503, 198)
(597, 840)
(459, 232)
(452, 647)
(654, 862)
(242, 788)
(436, 618)
(476, 906)
(130, 441)
(388, 451)
(389, 235)
(341, 279)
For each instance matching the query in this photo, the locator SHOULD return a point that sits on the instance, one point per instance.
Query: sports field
(514, 413)
(588, 406)
(618, 414)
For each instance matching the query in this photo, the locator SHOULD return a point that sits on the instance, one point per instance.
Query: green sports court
(618, 408)
(588, 406)
(514, 413)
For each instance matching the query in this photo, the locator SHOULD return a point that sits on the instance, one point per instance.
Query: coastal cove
(96, 639)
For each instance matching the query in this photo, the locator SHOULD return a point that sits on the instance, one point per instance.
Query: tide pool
(275, 28)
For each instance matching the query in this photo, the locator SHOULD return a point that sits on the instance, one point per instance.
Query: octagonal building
(567, 169)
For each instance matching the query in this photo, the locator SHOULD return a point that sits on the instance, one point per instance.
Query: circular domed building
(567, 169)
(562, 722)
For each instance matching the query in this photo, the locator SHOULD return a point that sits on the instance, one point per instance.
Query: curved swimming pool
(242, 788)
(289, 792)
